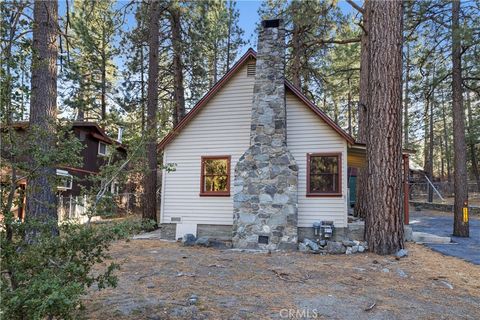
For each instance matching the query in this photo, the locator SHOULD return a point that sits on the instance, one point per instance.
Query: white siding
(223, 128)
(307, 133)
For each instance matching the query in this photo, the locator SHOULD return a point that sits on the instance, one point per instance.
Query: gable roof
(100, 135)
(250, 54)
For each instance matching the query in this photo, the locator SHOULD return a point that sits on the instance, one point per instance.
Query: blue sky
(248, 18)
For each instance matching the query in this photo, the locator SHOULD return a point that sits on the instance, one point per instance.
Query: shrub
(47, 277)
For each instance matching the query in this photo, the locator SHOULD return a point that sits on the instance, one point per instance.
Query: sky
(248, 19)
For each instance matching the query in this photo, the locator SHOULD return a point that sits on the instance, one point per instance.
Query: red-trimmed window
(215, 176)
(324, 174)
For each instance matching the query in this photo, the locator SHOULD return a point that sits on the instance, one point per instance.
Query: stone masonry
(266, 176)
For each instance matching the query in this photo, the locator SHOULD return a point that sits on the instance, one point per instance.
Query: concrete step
(423, 237)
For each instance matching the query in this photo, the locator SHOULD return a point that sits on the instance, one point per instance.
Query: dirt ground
(157, 279)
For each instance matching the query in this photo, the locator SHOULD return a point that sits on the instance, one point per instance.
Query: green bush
(46, 278)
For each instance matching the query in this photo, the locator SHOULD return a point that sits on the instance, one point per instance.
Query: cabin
(256, 162)
(72, 180)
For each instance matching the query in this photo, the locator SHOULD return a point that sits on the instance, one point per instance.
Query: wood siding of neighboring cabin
(223, 128)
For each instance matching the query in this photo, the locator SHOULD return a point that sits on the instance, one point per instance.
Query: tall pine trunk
(361, 209)
(349, 107)
(406, 122)
(178, 92)
(104, 77)
(471, 143)
(445, 138)
(430, 142)
(41, 198)
(384, 221)
(150, 183)
(460, 228)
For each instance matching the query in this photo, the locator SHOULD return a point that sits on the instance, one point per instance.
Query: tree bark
(178, 92)
(430, 143)
(104, 76)
(142, 90)
(349, 107)
(384, 221)
(361, 208)
(406, 122)
(445, 138)
(41, 198)
(229, 33)
(460, 228)
(150, 192)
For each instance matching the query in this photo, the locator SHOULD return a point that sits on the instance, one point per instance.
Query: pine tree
(460, 226)
(90, 69)
(41, 199)
(384, 223)
(150, 178)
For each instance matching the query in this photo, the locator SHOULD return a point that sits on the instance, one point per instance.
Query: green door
(352, 184)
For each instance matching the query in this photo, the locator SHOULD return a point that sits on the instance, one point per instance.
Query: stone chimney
(266, 176)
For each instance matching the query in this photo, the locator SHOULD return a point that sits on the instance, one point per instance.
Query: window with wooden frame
(324, 174)
(102, 148)
(215, 176)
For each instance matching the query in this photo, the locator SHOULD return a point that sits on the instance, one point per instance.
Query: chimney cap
(271, 23)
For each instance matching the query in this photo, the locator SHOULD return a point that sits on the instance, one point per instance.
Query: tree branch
(356, 6)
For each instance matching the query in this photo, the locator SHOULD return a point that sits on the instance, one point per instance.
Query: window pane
(320, 164)
(215, 175)
(216, 183)
(324, 174)
(103, 148)
(216, 166)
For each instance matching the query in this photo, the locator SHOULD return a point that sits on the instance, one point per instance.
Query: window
(102, 148)
(215, 176)
(65, 180)
(324, 174)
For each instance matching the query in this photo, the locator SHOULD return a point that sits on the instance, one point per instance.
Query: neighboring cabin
(97, 146)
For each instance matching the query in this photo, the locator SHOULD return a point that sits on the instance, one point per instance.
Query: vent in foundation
(251, 70)
(263, 239)
(175, 219)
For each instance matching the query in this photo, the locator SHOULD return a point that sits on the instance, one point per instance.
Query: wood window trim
(202, 177)
(99, 148)
(339, 179)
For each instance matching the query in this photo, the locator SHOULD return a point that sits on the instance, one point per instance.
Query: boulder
(349, 250)
(335, 247)
(311, 244)
(203, 242)
(348, 243)
(188, 239)
(302, 247)
(401, 253)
